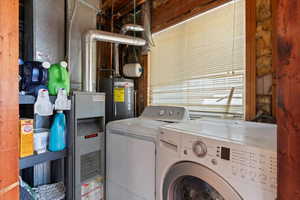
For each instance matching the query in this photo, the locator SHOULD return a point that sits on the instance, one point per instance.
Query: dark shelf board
(30, 161)
(26, 99)
(29, 99)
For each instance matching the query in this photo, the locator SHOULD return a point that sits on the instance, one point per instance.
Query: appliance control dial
(199, 149)
(162, 112)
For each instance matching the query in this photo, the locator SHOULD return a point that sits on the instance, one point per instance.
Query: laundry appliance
(131, 152)
(217, 159)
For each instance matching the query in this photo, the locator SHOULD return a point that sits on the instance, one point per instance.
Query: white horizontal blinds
(199, 62)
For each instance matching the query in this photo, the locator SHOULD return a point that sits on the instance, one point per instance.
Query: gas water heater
(120, 98)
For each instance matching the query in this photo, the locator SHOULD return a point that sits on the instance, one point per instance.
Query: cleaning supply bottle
(58, 78)
(57, 137)
(33, 76)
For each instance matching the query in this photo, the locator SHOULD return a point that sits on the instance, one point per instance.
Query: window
(200, 63)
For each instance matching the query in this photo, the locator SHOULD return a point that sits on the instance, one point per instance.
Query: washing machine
(217, 160)
(131, 152)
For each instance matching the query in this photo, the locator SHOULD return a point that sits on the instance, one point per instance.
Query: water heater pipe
(87, 52)
(125, 28)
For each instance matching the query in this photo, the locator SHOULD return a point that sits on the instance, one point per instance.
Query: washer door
(191, 181)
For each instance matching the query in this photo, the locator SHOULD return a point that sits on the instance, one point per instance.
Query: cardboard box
(26, 137)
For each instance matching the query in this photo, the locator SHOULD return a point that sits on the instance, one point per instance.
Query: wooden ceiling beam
(127, 7)
(170, 12)
(106, 4)
(121, 7)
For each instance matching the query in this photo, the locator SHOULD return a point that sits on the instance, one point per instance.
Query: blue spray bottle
(57, 137)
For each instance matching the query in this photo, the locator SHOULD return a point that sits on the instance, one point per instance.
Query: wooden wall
(266, 72)
(166, 13)
(9, 102)
(288, 90)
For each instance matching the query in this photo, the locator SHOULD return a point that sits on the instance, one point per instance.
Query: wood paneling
(120, 7)
(143, 89)
(250, 107)
(9, 133)
(288, 95)
(170, 12)
(274, 60)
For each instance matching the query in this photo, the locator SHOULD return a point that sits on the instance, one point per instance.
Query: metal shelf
(26, 99)
(30, 161)
(29, 99)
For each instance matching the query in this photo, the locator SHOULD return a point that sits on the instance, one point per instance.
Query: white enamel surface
(252, 167)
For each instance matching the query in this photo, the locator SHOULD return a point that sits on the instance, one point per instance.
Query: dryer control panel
(165, 113)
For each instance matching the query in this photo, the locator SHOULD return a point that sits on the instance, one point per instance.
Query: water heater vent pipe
(125, 28)
(87, 52)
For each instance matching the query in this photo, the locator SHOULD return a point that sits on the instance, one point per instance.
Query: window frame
(250, 69)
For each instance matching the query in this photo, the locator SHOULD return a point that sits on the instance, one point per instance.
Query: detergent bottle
(57, 137)
(58, 78)
(33, 76)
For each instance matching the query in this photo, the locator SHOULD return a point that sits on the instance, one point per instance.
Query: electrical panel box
(87, 145)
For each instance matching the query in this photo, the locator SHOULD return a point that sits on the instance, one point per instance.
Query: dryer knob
(199, 149)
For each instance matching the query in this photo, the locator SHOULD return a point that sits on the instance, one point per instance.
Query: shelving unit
(30, 161)
(56, 160)
(30, 100)
(26, 99)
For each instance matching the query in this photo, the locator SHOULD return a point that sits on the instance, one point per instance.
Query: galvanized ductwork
(124, 30)
(87, 52)
(131, 27)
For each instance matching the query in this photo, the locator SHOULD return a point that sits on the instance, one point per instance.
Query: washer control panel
(245, 164)
(199, 148)
(166, 113)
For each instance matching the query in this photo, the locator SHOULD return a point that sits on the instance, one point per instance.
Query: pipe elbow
(89, 36)
(131, 27)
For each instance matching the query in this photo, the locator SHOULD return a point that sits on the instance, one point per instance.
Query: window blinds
(200, 63)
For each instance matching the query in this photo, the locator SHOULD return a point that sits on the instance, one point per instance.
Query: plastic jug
(58, 78)
(43, 105)
(57, 137)
(33, 76)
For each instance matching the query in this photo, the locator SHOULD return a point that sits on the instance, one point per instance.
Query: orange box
(26, 137)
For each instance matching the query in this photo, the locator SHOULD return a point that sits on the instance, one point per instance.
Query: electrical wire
(70, 33)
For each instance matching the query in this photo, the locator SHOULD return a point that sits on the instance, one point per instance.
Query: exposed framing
(250, 89)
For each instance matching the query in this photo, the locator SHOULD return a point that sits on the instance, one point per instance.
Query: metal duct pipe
(125, 28)
(131, 27)
(87, 51)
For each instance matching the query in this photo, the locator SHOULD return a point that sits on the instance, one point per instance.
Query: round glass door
(192, 188)
(191, 181)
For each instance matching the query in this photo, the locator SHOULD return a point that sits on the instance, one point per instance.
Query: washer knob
(199, 148)
(161, 112)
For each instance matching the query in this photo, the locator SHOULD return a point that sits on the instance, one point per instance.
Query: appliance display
(131, 152)
(86, 163)
(217, 159)
(120, 103)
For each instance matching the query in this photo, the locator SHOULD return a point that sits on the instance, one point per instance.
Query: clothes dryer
(131, 152)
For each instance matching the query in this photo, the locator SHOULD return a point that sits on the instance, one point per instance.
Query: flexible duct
(124, 30)
(87, 52)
